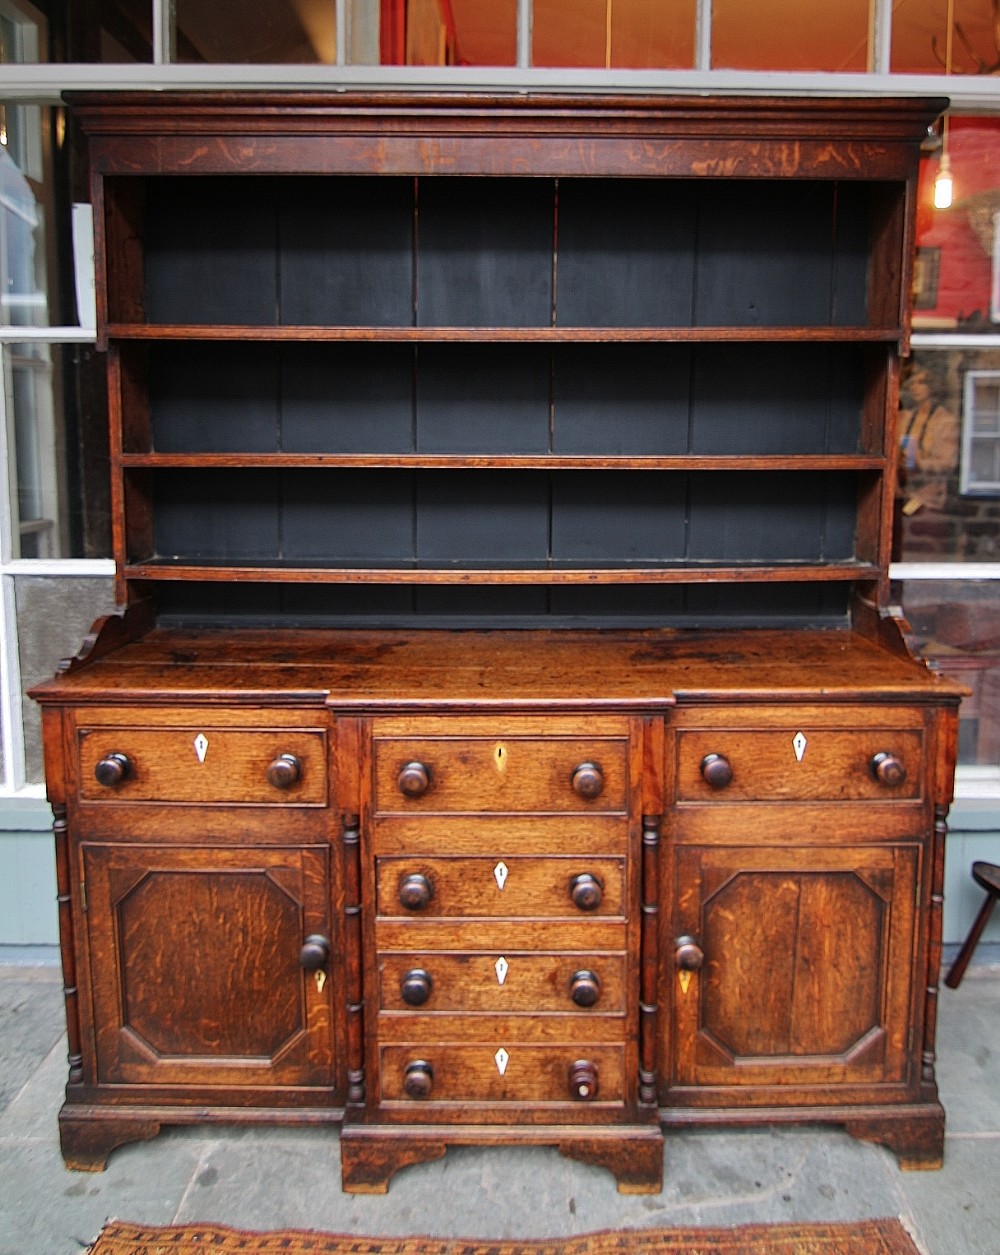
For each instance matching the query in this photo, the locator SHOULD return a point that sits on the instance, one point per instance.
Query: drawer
(570, 888)
(512, 982)
(474, 1073)
(200, 763)
(799, 764)
(471, 774)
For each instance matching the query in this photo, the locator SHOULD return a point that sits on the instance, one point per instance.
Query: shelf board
(278, 572)
(541, 461)
(559, 335)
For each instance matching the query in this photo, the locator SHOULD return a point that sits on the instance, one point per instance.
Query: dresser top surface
(377, 669)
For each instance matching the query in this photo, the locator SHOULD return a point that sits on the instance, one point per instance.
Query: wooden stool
(987, 875)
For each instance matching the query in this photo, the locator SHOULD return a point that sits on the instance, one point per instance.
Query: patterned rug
(866, 1237)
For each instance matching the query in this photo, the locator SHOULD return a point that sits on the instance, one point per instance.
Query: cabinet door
(194, 964)
(806, 971)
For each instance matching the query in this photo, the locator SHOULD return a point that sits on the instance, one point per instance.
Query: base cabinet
(575, 926)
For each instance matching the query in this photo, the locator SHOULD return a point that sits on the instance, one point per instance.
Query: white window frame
(969, 485)
(42, 84)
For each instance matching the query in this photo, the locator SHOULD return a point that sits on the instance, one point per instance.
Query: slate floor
(271, 1178)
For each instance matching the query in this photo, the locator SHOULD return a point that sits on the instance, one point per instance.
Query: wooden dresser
(505, 737)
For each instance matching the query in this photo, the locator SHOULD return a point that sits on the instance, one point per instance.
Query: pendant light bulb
(943, 185)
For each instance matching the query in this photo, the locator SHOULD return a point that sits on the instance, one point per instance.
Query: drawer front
(474, 1074)
(471, 774)
(516, 982)
(204, 764)
(570, 888)
(793, 764)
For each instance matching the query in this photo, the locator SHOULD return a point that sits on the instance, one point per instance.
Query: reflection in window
(281, 32)
(956, 247)
(614, 34)
(920, 38)
(791, 35)
(957, 630)
(939, 517)
(432, 32)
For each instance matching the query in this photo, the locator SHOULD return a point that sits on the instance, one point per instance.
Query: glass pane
(23, 301)
(432, 32)
(53, 616)
(830, 35)
(957, 277)
(957, 628)
(920, 38)
(947, 506)
(301, 32)
(116, 32)
(56, 433)
(623, 34)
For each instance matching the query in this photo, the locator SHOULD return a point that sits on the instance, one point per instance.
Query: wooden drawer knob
(413, 780)
(113, 769)
(688, 955)
(285, 771)
(585, 988)
(418, 1079)
(415, 891)
(887, 769)
(716, 770)
(314, 953)
(588, 780)
(583, 1080)
(415, 987)
(585, 891)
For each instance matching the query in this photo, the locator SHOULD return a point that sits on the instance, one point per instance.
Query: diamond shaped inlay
(201, 746)
(799, 744)
(501, 967)
(500, 874)
(502, 1058)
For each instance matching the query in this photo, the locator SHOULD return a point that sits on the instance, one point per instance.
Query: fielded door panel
(805, 976)
(195, 965)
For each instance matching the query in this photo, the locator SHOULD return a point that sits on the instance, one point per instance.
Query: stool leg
(954, 977)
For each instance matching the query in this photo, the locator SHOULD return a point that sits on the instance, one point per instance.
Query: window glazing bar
(524, 19)
(164, 32)
(703, 36)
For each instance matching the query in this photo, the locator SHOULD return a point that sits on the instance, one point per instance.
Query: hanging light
(944, 185)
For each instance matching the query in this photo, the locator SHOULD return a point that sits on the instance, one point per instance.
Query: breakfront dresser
(504, 737)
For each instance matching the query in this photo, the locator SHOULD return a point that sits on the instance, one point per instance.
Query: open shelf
(690, 573)
(504, 335)
(459, 461)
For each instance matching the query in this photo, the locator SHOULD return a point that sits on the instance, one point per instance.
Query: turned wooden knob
(716, 770)
(413, 779)
(284, 771)
(688, 955)
(415, 891)
(415, 987)
(314, 953)
(887, 769)
(585, 890)
(583, 1080)
(588, 780)
(113, 769)
(585, 988)
(418, 1079)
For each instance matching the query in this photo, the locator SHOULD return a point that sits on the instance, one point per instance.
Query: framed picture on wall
(926, 269)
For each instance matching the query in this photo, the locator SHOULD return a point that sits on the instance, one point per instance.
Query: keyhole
(500, 759)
